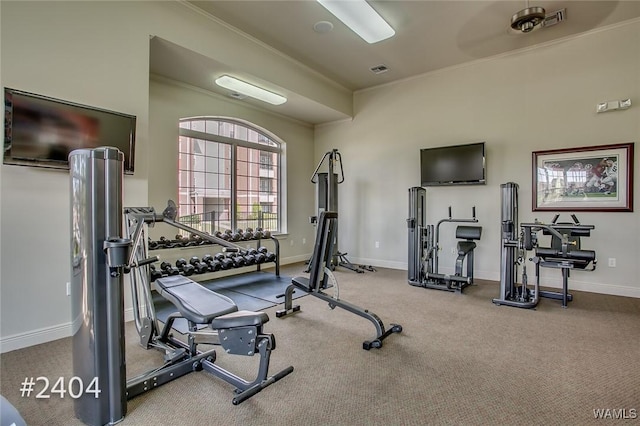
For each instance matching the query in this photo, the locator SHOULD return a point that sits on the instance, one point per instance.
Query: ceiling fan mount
(527, 19)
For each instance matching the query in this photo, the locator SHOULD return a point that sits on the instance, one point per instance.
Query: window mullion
(234, 187)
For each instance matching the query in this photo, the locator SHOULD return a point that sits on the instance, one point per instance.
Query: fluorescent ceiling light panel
(256, 92)
(361, 18)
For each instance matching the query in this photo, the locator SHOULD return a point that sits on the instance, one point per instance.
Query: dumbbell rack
(143, 217)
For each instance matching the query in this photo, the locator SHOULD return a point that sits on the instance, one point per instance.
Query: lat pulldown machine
(565, 253)
(99, 260)
(327, 200)
(423, 250)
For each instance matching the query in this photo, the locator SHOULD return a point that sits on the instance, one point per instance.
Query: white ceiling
(430, 35)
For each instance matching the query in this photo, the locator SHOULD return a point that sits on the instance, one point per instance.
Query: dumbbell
(200, 267)
(213, 264)
(184, 267)
(257, 234)
(152, 244)
(225, 263)
(238, 261)
(269, 256)
(154, 273)
(163, 242)
(260, 257)
(169, 269)
(236, 236)
(249, 259)
(226, 235)
(248, 234)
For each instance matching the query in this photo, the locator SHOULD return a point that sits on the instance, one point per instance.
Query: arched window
(228, 175)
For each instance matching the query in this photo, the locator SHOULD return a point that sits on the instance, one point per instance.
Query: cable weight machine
(424, 245)
(565, 253)
(327, 200)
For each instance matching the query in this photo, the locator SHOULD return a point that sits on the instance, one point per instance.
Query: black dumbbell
(248, 234)
(154, 274)
(249, 258)
(260, 257)
(169, 269)
(200, 267)
(269, 256)
(184, 267)
(225, 262)
(236, 236)
(238, 261)
(214, 265)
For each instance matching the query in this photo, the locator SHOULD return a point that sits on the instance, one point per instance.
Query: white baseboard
(46, 334)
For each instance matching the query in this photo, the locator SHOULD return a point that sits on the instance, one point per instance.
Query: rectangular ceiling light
(361, 18)
(245, 88)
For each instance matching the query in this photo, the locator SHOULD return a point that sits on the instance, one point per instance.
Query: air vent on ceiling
(554, 18)
(379, 69)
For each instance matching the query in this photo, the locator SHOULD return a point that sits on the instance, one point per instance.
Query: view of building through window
(228, 176)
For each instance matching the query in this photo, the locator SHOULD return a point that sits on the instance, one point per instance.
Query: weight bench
(238, 332)
(321, 276)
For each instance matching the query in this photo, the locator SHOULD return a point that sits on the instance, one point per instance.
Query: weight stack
(415, 223)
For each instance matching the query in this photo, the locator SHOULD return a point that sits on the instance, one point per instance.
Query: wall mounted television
(453, 165)
(40, 131)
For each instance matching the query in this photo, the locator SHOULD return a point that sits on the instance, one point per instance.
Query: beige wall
(537, 99)
(97, 53)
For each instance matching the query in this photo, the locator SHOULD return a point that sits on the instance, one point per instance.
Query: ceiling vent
(379, 69)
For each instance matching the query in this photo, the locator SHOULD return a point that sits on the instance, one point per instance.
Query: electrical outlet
(304, 241)
(453, 250)
(377, 244)
(291, 242)
(612, 262)
(68, 289)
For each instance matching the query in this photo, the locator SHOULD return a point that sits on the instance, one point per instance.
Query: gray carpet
(460, 360)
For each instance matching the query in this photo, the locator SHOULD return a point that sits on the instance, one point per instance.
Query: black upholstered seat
(195, 302)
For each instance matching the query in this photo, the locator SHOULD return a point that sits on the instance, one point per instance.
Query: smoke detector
(527, 19)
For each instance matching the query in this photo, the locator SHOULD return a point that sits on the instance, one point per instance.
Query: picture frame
(594, 178)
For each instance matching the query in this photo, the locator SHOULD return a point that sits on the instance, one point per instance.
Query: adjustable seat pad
(195, 302)
(465, 247)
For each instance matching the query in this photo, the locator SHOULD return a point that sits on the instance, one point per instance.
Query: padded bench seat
(195, 302)
(200, 305)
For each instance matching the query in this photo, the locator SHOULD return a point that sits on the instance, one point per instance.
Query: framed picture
(593, 178)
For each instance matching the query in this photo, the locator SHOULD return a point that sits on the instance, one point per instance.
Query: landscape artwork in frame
(595, 178)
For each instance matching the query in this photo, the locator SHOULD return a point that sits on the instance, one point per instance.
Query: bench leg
(288, 303)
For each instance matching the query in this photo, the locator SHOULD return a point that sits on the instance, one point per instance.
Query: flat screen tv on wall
(40, 131)
(453, 165)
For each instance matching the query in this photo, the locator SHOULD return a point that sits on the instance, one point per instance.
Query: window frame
(234, 143)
